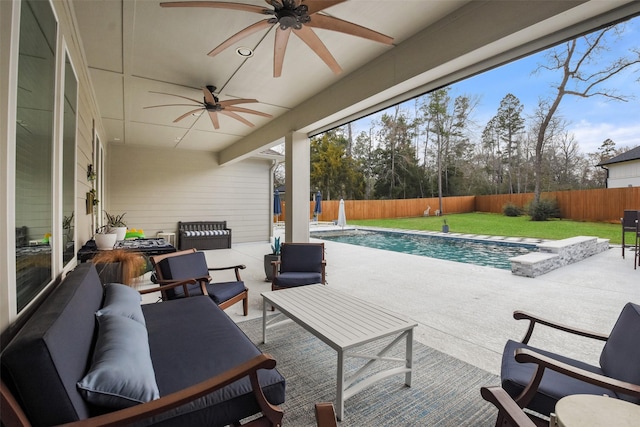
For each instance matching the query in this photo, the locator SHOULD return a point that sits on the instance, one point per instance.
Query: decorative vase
(268, 268)
(105, 241)
(121, 232)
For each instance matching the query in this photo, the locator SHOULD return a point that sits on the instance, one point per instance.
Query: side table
(590, 410)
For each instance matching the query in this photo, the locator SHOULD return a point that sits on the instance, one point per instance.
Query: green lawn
(500, 225)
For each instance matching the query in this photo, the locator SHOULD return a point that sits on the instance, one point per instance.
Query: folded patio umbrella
(277, 204)
(342, 217)
(317, 210)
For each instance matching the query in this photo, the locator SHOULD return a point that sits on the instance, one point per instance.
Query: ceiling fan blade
(237, 117)
(260, 25)
(335, 24)
(169, 105)
(313, 41)
(213, 115)
(237, 101)
(279, 48)
(179, 96)
(248, 111)
(208, 96)
(216, 5)
(188, 113)
(318, 5)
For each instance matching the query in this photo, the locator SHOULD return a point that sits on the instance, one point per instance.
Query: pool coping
(481, 238)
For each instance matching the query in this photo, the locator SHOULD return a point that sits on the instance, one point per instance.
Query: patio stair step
(556, 254)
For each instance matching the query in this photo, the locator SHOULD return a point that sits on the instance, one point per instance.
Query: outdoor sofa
(96, 354)
(203, 235)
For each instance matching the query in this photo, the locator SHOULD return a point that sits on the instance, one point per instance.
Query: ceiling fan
(298, 15)
(213, 106)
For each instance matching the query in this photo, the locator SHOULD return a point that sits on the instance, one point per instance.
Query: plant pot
(445, 228)
(268, 268)
(105, 241)
(121, 232)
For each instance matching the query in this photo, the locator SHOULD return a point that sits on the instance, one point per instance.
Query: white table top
(340, 320)
(589, 410)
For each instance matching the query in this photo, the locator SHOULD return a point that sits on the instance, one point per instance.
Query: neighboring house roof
(633, 154)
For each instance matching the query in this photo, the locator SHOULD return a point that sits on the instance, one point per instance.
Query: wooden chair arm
(525, 355)
(164, 285)
(507, 407)
(521, 315)
(237, 269)
(276, 269)
(272, 415)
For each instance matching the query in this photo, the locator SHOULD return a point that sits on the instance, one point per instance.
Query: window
(69, 162)
(34, 149)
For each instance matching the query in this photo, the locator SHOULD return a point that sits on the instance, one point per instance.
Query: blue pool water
(470, 251)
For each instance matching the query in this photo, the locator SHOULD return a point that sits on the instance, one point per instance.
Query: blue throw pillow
(121, 373)
(122, 300)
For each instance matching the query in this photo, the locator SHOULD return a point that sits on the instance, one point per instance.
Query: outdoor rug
(445, 391)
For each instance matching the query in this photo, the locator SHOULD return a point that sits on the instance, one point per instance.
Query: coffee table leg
(340, 387)
(264, 320)
(409, 356)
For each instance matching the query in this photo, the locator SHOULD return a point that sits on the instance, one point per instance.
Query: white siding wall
(159, 187)
(624, 174)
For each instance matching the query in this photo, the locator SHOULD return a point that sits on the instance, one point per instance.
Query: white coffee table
(344, 323)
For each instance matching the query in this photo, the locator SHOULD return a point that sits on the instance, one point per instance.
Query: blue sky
(590, 120)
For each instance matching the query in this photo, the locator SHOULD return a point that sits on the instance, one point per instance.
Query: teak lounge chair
(192, 264)
(300, 264)
(537, 379)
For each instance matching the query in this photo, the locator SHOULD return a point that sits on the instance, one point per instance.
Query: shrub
(509, 209)
(543, 210)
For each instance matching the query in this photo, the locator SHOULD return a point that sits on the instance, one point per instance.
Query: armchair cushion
(221, 292)
(122, 300)
(623, 347)
(515, 376)
(301, 258)
(121, 374)
(292, 279)
(187, 266)
(194, 265)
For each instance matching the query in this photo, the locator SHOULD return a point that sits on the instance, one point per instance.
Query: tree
(447, 124)
(582, 75)
(509, 124)
(332, 171)
(396, 165)
(363, 151)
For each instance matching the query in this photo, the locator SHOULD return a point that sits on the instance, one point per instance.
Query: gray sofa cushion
(53, 349)
(204, 342)
(121, 374)
(122, 300)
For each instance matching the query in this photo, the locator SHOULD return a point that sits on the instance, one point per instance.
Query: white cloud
(591, 135)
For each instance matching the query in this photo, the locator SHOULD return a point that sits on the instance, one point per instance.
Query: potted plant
(105, 239)
(117, 224)
(445, 226)
(273, 256)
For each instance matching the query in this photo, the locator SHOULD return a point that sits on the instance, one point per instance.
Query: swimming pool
(471, 251)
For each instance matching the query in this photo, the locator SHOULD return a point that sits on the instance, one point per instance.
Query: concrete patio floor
(465, 310)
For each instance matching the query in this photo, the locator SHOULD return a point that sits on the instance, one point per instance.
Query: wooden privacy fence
(598, 205)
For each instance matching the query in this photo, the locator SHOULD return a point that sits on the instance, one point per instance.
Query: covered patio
(463, 311)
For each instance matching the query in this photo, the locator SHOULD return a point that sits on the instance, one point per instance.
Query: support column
(298, 169)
